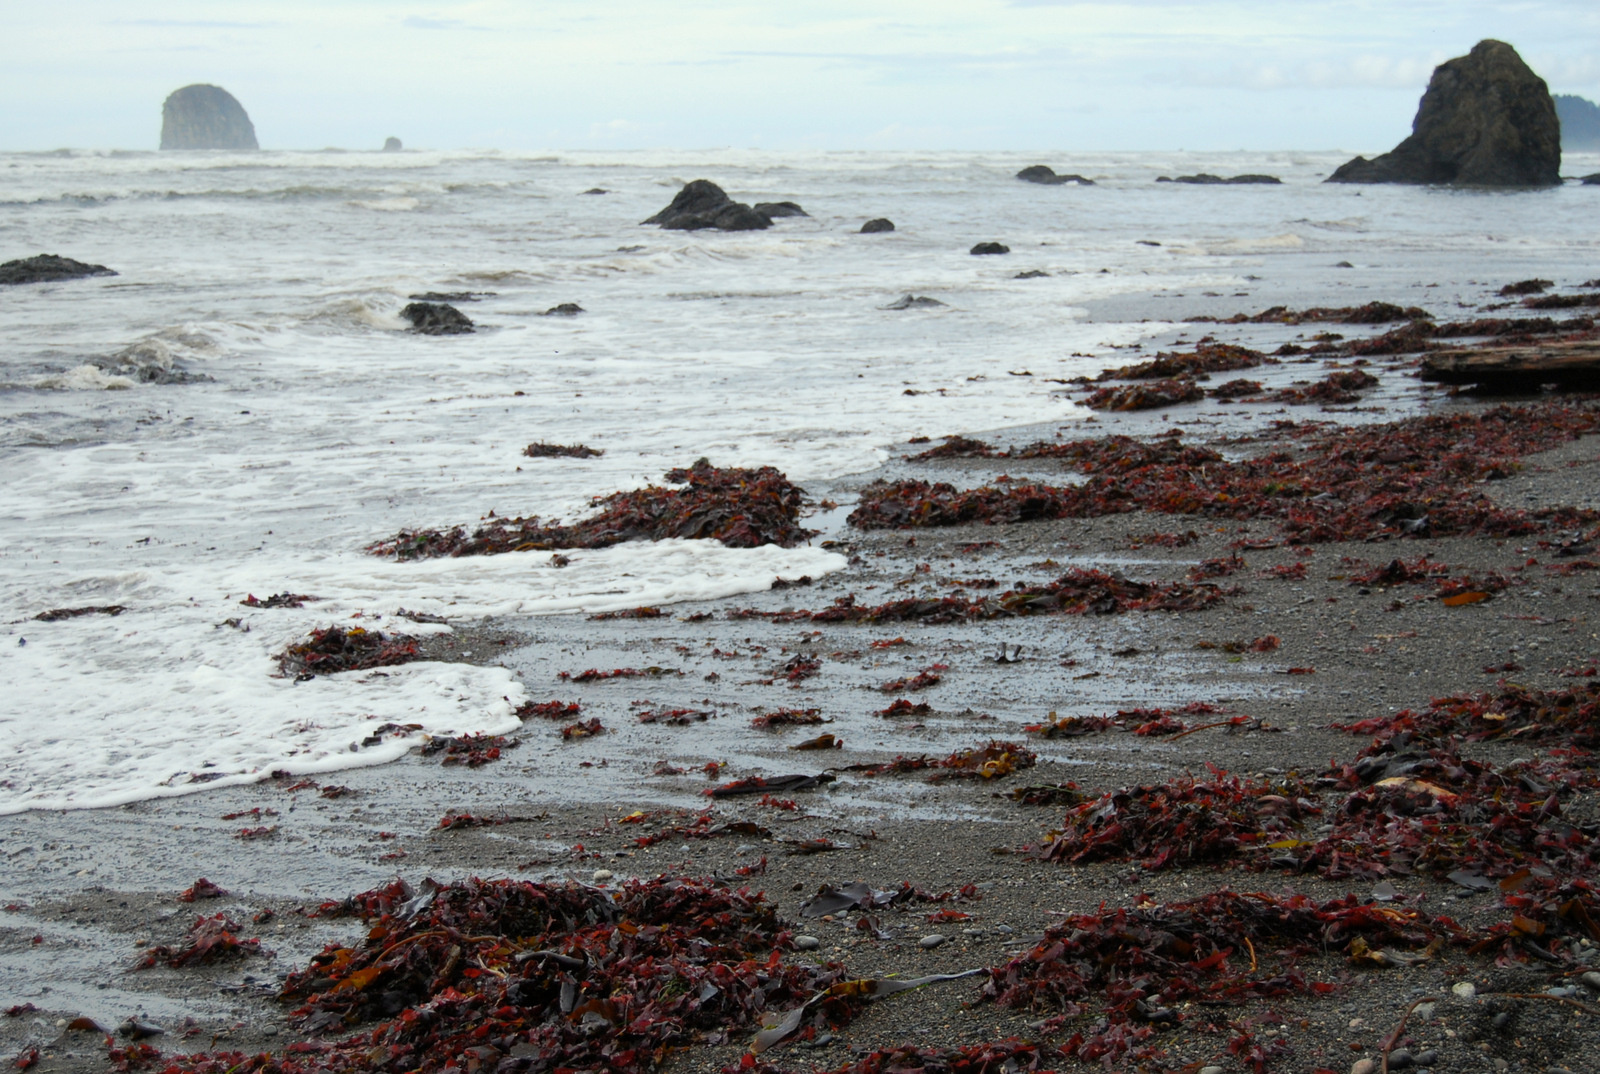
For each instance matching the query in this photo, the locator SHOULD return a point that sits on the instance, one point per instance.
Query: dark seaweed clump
(335, 649)
(742, 508)
(1421, 476)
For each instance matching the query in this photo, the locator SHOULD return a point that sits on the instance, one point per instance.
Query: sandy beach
(90, 893)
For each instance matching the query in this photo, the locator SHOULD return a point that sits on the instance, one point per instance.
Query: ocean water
(241, 411)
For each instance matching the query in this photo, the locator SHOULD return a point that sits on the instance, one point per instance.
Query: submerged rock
(1031, 274)
(437, 319)
(1207, 179)
(873, 227)
(205, 117)
(1485, 120)
(914, 302)
(45, 268)
(1580, 123)
(1592, 180)
(1045, 176)
(774, 209)
(704, 204)
(392, 145)
(566, 309)
(984, 248)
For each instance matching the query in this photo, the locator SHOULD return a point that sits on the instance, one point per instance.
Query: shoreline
(1369, 660)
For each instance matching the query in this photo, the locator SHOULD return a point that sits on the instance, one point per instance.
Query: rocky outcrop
(437, 319)
(46, 268)
(1592, 180)
(205, 117)
(1485, 120)
(873, 227)
(772, 210)
(566, 309)
(392, 145)
(914, 302)
(1207, 179)
(1580, 123)
(1031, 274)
(704, 204)
(1045, 176)
(989, 248)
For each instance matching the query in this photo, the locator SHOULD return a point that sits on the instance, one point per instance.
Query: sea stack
(392, 144)
(1485, 120)
(205, 117)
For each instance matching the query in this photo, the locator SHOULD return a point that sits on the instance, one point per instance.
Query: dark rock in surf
(772, 210)
(703, 204)
(1485, 120)
(597, 190)
(874, 227)
(392, 145)
(1580, 123)
(1045, 176)
(1207, 179)
(47, 268)
(566, 309)
(914, 302)
(436, 319)
(986, 248)
(205, 117)
(451, 296)
(1031, 274)
(1592, 180)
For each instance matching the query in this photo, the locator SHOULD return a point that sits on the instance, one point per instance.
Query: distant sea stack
(205, 117)
(1485, 120)
(1580, 124)
(390, 144)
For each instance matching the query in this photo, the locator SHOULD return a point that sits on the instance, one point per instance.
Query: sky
(805, 74)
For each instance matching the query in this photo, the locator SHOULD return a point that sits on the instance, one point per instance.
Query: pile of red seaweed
(1145, 395)
(472, 751)
(742, 508)
(513, 976)
(1180, 822)
(993, 760)
(335, 649)
(1419, 476)
(542, 450)
(1336, 389)
(1153, 966)
(1567, 715)
(1207, 358)
(1371, 313)
(1080, 591)
(210, 939)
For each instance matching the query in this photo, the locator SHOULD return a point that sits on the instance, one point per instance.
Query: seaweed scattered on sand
(542, 450)
(210, 939)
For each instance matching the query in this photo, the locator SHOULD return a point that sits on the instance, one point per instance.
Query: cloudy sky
(834, 74)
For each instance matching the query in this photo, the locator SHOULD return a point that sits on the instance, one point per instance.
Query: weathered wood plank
(1528, 368)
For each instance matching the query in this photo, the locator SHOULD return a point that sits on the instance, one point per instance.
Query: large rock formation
(704, 204)
(1044, 175)
(205, 117)
(1580, 124)
(392, 144)
(437, 319)
(1485, 120)
(47, 268)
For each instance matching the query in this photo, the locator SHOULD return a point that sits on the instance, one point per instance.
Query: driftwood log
(1518, 369)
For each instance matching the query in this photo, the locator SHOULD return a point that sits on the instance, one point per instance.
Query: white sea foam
(326, 426)
(84, 378)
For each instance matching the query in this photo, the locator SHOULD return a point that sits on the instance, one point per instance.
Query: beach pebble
(1211, 1070)
(1591, 980)
(931, 941)
(1400, 1059)
(807, 943)
(1464, 990)
(1364, 1066)
(602, 875)
(1427, 1057)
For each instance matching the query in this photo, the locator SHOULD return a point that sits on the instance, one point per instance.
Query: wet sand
(86, 892)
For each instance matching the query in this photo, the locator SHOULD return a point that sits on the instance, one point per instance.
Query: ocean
(241, 411)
